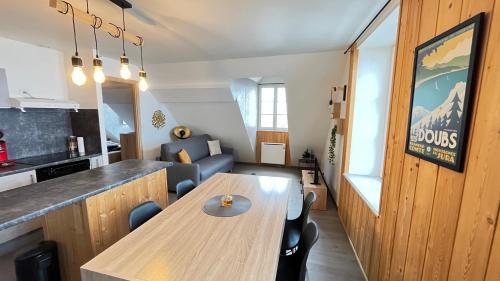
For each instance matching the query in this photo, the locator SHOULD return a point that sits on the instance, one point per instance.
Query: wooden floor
(332, 258)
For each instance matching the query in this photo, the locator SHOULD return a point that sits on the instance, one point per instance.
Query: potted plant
(333, 142)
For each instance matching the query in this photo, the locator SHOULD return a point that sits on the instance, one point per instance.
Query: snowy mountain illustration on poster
(444, 117)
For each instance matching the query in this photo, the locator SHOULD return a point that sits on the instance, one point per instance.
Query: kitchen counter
(45, 161)
(32, 201)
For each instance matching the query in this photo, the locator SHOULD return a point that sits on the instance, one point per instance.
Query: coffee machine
(4, 157)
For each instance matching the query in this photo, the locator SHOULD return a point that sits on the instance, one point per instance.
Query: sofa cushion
(184, 157)
(196, 147)
(214, 164)
(214, 147)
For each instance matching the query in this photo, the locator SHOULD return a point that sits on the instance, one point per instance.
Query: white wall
(210, 111)
(120, 101)
(333, 173)
(152, 138)
(34, 69)
(245, 92)
(113, 123)
(308, 77)
(370, 107)
(221, 120)
(126, 113)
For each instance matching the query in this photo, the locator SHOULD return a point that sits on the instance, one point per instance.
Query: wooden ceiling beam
(83, 17)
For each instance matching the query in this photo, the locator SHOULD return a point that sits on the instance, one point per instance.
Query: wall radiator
(272, 153)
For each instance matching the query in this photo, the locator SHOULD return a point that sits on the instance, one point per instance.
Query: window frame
(275, 114)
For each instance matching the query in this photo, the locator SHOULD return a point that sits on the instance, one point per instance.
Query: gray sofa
(203, 166)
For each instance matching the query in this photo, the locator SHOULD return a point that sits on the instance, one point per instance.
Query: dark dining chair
(295, 227)
(184, 187)
(142, 213)
(294, 267)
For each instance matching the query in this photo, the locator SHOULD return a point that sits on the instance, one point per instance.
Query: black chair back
(309, 237)
(142, 213)
(306, 207)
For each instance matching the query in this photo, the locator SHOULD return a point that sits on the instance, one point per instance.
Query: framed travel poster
(442, 90)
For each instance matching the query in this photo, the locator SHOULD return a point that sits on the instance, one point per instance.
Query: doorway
(122, 119)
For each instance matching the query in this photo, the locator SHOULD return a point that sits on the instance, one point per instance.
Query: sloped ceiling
(196, 30)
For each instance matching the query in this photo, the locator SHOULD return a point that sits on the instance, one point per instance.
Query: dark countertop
(28, 202)
(21, 165)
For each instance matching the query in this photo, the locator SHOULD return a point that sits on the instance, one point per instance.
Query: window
(273, 108)
(370, 111)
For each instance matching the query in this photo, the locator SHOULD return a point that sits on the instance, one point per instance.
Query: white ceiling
(194, 30)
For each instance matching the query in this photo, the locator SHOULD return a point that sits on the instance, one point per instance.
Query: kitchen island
(86, 212)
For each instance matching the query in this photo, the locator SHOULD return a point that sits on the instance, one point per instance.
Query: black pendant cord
(68, 6)
(123, 44)
(141, 42)
(123, 19)
(123, 34)
(97, 23)
(142, 62)
(120, 33)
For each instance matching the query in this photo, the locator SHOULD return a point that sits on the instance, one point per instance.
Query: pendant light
(77, 76)
(124, 69)
(143, 84)
(99, 76)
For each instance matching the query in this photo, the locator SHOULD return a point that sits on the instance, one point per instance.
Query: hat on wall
(182, 132)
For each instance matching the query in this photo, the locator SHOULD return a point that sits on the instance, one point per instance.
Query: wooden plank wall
(85, 229)
(434, 223)
(273, 136)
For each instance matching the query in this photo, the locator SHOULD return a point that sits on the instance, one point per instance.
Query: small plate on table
(240, 205)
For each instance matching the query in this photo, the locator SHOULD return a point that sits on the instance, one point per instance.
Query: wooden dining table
(184, 243)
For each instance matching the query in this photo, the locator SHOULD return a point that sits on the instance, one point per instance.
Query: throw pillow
(214, 147)
(184, 157)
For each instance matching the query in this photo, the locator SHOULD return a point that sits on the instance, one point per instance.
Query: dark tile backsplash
(39, 131)
(85, 123)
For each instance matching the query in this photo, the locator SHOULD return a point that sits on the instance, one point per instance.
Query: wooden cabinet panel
(320, 190)
(272, 136)
(87, 228)
(69, 227)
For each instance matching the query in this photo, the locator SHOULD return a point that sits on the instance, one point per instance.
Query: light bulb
(99, 76)
(143, 84)
(78, 76)
(124, 70)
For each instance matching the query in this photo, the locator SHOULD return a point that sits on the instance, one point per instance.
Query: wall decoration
(181, 132)
(333, 143)
(158, 119)
(443, 85)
